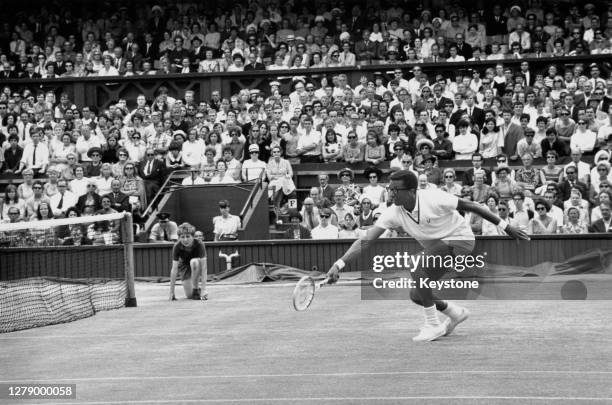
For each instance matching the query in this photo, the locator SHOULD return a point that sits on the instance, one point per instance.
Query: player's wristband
(340, 264)
(502, 224)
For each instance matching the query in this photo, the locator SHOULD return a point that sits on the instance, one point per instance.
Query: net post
(128, 246)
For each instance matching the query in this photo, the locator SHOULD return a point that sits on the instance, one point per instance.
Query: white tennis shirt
(434, 217)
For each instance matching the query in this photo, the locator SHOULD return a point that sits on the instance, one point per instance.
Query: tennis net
(57, 271)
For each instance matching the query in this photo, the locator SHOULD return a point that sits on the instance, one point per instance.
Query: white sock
(452, 310)
(431, 315)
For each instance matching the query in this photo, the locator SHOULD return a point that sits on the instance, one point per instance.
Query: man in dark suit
(365, 50)
(475, 113)
(468, 175)
(356, 22)
(325, 190)
(153, 172)
(497, 25)
(440, 100)
(197, 54)
(604, 224)
(253, 64)
(464, 49)
(570, 182)
(29, 72)
(150, 49)
(135, 56)
(119, 201)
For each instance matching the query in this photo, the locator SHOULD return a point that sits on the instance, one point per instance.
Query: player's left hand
(516, 233)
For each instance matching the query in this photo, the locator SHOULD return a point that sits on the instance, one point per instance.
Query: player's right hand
(333, 274)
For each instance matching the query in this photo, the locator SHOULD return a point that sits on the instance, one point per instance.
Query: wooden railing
(100, 92)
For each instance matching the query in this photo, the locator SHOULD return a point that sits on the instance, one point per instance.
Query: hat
(336, 10)
(428, 158)
(373, 169)
(163, 215)
(180, 132)
(354, 115)
(253, 148)
(319, 18)
(437, 20)
(274, 83)
(157, 8)
(426, 11)
(604, 163)
(294, 214)
(265, 21)
(422, 142)
(517, 8)
(290, 37)
(602, 154)
(502, 168)
(254, 91)
(94, 149)
(589, 6)
(300, 38)
(345, 36)
(346, 170)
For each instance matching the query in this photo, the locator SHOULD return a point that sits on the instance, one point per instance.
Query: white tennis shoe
(430, 332)
(452, 323)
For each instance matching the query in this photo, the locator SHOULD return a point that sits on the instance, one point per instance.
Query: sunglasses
(449, 177)
(351, 137)
(540, 209)
(501, 160)
(373, 177)
(407, 162)
(324, 216)
(37, 188)
(502, 209)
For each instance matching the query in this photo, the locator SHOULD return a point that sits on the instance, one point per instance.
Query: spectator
(325, 230)
(542, 223)
(225, 225)
(297, 230)
(164, 230)
(63, 200)
(253, 168)
(374, 192)
(574, 224)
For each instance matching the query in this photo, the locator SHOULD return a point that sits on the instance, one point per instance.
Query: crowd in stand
(266, 35)
(116, 159)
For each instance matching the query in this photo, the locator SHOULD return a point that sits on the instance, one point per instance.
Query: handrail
(452, 66)
(249, 202)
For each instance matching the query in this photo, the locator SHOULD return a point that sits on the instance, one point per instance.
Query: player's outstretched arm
(173, 273)
(354, 251)
(481, 211)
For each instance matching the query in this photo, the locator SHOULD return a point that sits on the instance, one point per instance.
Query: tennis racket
(304, 292)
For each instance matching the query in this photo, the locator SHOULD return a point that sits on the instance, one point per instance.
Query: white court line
(300, 375)
(340, 399)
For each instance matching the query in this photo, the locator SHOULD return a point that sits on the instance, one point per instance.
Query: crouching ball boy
(431, 217)
(189, 261)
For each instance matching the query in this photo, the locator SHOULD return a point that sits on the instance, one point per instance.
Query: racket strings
(303, 295)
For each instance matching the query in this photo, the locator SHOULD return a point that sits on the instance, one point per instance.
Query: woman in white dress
(376, 193)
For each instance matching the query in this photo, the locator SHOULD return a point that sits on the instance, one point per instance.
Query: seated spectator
(133, 185)
(574, 224)
(63, 200)
(353, 151)
(164, 230)
(193, 179)
(583, 138)
(226, 225)
(604, 224)
(222, 175)
(73, 234)
(297, 230)
(521, 215)
(349, 228)
(12, 155)
(374, 192)
(576, 200)
(527, 176)
(325, 230)
(603, 175)
(43, 236)
(527, 145)
(449, 185)
(35, 155)
(102, 233)
(253, 168)
(119, 200)
(174, 158)
(35, 200)
(542, 223)
(443, 147)
(374, 151)
(480, 190)
(105, 179)
(11, 200)
(425, 147)
(350, 191)
(310, 213)
(503, 185)
(499, 208)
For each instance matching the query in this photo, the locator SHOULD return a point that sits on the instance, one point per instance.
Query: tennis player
(189, 261)
(431, 217)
